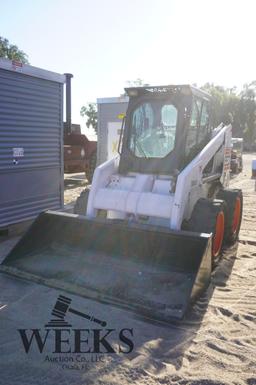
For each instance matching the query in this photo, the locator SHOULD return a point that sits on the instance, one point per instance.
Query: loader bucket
(151, 271)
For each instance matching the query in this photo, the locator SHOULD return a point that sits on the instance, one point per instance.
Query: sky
(105, 43)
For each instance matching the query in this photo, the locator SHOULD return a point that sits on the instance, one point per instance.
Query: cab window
(153, 129)
(192, 133)
(204, 123)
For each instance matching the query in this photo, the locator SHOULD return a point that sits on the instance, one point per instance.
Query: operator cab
(165, 128)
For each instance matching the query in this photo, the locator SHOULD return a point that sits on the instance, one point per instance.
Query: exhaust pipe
(68, 125)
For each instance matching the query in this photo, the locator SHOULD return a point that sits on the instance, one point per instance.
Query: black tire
(230, 197)
(91, 168)
(241, 165)
(203, 220)
(81, 203)
(234, 168)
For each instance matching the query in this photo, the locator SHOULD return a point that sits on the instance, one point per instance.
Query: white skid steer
(155, 220)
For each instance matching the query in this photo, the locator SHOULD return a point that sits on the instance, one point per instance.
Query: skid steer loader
(155, 220)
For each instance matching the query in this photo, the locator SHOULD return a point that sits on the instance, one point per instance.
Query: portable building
(110, 112)
(31, 141)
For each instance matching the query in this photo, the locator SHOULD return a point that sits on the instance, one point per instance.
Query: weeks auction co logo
(73, 347)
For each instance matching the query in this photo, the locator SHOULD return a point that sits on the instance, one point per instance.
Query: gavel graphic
(61, 307)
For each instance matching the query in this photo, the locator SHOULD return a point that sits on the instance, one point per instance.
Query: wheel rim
(219, 234)
(237, 215)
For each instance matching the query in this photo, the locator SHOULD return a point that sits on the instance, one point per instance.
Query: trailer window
(153, 129)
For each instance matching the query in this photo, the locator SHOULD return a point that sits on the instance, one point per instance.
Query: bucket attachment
(154, 272)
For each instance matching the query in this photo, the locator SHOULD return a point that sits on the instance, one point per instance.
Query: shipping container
(31, 141)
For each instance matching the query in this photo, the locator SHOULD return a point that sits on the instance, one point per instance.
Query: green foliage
(12, 52)
(90, 112)
(239, 109)
(248, 112)
(136, 83)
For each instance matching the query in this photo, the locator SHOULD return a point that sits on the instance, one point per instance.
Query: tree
(11, 51)
(229, 106)
(137, 83)
(248, 113)
(90, 111)
(225, 103)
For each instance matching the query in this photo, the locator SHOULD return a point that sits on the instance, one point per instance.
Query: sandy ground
(73, 186)
(215, 344)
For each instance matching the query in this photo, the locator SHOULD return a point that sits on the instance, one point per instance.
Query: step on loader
(152, 227)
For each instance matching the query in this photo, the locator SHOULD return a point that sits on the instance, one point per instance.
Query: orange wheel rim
(237, 215)
(219, 234)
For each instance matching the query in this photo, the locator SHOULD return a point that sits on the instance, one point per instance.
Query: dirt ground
(73, 186)
(215, 344)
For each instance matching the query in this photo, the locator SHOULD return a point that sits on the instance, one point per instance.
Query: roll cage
(190, 134)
